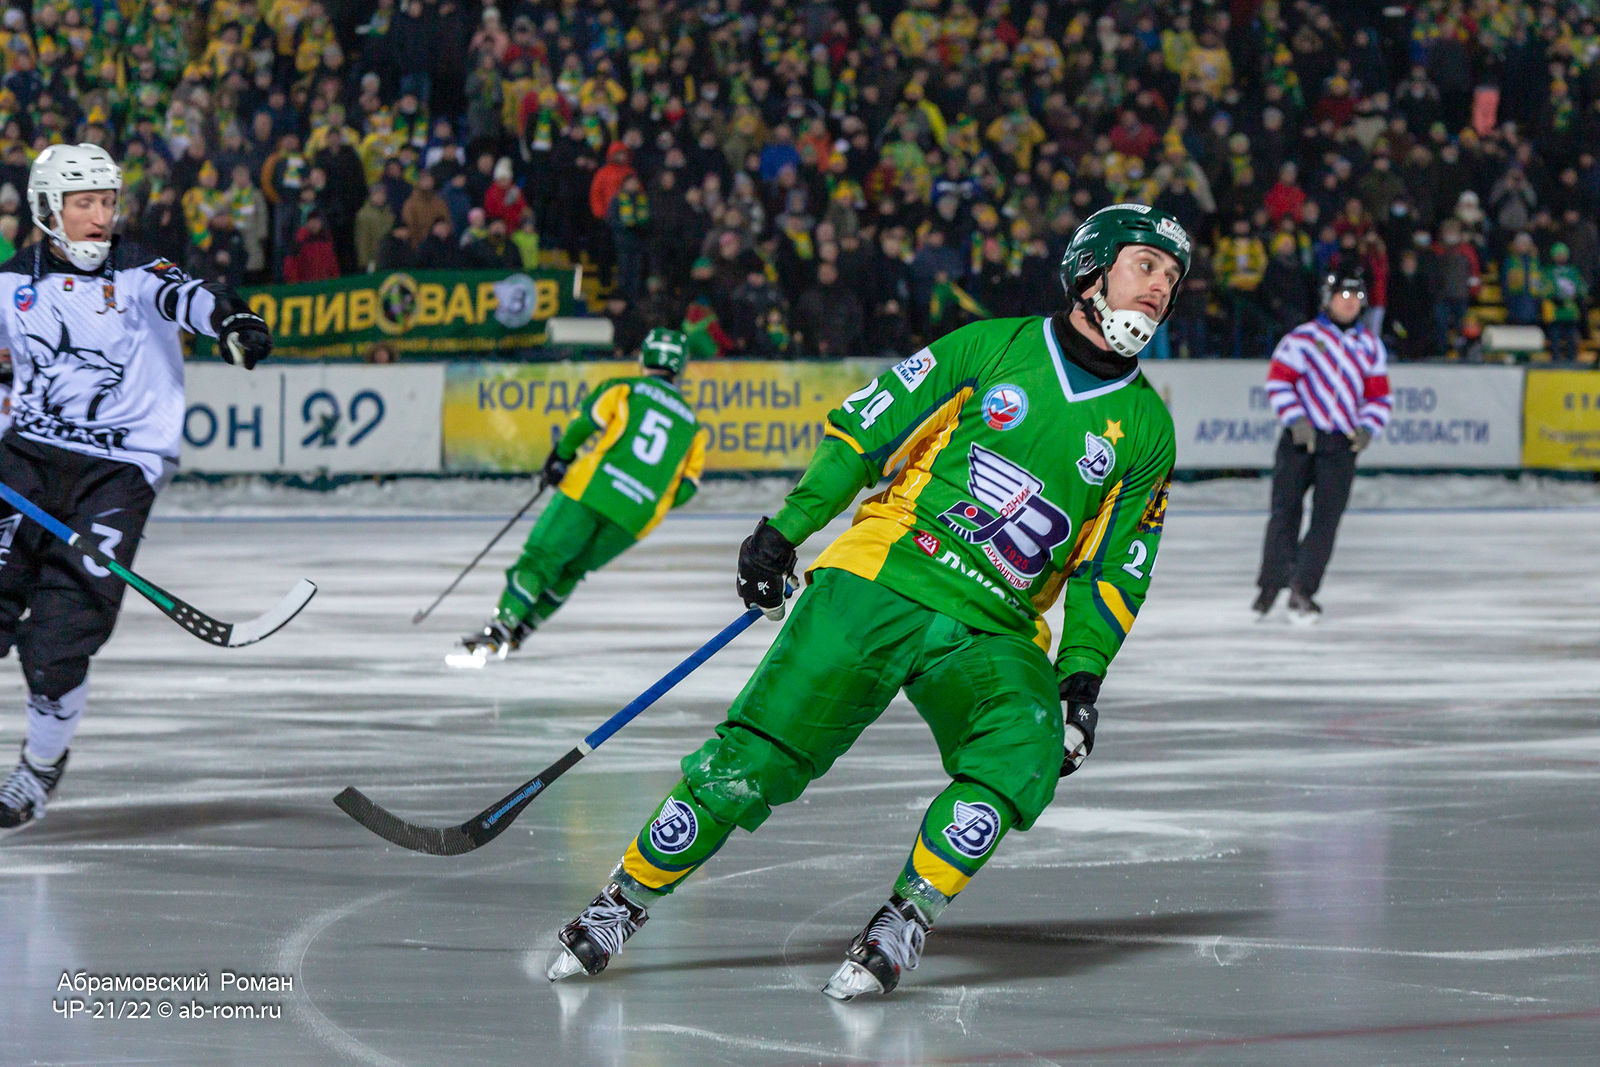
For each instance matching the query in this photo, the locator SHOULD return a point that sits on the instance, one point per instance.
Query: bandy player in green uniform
(1028, 458)
(647, 461)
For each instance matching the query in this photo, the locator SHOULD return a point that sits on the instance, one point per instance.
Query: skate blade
(1306, 619)
(851, 980)
(467, 661)
(563, 964)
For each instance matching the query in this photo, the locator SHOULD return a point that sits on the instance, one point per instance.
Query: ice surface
(1374, 840)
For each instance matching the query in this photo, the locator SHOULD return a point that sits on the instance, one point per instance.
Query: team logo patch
(1017, 527)
(913, 369)
(1155, 508)
(675, 828)
(1004, 407)
(1173, 232)
(66, 286)
(1099, 456)
(926, 541)
(974, 829)
(24, 297)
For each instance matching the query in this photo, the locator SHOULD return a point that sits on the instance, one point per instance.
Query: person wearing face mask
(1028, 461)
(1328, 382)
(93, 328)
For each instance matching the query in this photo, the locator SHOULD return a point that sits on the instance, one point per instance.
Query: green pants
(567, 542)
(990, 700)
(847, 648)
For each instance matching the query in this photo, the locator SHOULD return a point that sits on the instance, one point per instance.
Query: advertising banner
(1562, 420)
(762, 415)
(415, 313)
(334, 417)
(1444, 418)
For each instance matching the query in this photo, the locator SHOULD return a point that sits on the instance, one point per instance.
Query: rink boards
(485, 417)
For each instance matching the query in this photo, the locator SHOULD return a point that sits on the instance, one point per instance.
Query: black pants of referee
(1287, 558)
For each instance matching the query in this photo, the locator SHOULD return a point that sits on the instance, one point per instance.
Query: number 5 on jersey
(651, 443)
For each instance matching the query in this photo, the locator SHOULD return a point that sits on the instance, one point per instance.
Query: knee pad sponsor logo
(974, 830)
(675, 828)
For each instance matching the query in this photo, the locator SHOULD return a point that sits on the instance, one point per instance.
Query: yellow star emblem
(1113, 431)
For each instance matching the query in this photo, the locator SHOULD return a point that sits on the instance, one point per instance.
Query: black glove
(1078, 694)
(1303, 434)
(555, 468)
(766, 563)
(243, 339)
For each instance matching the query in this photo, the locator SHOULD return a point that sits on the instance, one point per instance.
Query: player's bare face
(1142, 279)
(88, 215)
(1344, 306)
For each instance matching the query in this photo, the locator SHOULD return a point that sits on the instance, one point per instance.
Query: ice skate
(1303, 610)
(497, 640)
(1264, 603)
(23, 796)
(891, 943)
(598, 933)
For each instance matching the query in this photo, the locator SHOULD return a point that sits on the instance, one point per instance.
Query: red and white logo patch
(927, 542)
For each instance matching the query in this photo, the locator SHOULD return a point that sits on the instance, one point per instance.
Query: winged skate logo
(67, 389)
(973, 830)
(675, 828)
(1017, 527)
(1099, 456)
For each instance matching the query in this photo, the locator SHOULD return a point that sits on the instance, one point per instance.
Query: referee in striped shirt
(1329, 385)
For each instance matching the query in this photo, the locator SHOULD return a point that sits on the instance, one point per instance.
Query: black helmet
(1345, 277)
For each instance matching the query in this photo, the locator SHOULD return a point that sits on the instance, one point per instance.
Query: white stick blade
(248, 633)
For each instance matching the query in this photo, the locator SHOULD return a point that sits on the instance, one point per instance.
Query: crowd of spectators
(834, 179)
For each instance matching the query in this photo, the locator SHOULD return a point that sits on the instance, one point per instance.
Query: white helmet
(62, 169)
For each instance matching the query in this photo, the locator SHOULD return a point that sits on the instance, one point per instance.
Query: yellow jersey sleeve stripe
(1111, 597)
(611, 411)
(834, 431)
(1090, 538)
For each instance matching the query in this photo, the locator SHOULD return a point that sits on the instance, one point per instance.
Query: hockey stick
(425, 612)
(488, 823)
(197, 622)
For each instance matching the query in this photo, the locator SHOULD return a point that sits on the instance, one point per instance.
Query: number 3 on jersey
(873, 408)
(651, 443)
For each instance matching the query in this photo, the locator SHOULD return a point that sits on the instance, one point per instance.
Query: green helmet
(1095, 244)
(666, 350)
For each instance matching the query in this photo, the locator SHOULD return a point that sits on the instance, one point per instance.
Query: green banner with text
(415, 313)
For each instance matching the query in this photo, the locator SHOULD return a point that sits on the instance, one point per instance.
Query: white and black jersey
(97, 355)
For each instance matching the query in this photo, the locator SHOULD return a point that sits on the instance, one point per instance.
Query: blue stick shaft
(670, 679)
(31, 510)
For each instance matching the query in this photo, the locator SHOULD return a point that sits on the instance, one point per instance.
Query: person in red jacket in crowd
(603, 187)
(504, 200)
(313, 259)
(1286, 197)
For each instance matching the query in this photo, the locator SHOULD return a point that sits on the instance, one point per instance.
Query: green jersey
(1016, 474)
(648, 459)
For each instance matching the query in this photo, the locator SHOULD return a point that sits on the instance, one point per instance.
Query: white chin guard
(1127, 332)
(85, 255)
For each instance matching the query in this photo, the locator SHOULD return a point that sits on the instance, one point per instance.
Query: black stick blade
(435, 841)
